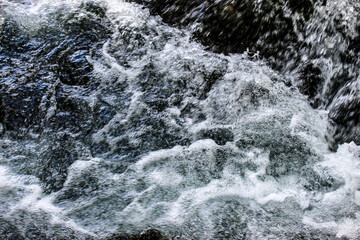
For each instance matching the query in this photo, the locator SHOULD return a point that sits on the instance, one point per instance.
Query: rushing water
(113, 122)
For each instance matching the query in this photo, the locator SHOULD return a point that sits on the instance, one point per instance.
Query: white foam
(349, 228)
(344, 164)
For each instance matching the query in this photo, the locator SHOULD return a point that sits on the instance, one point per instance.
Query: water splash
(162, 134)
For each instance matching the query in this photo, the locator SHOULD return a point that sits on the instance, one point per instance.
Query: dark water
(202, 120)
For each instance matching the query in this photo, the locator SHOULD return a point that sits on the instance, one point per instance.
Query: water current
(113, 122)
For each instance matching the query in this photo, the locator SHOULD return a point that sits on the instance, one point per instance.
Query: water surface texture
(209, 120)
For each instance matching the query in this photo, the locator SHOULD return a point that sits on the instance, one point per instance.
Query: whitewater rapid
(164, 134)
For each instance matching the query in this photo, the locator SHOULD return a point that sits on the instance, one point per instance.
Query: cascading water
(113, 122)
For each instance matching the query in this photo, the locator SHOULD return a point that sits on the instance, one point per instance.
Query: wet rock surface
(47, 67)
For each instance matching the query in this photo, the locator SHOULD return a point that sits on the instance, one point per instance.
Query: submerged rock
(151, 234)
(45, 79)
(345, 114)
(311, 83)
(288, 152)
(321, 180)
(219, 135)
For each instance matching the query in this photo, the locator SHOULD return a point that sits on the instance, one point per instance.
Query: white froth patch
(345, 163)
(30, 193)
(323, 225)
(174, 111)
(29, 197)
(7, 181)
(159, 169)
(165, 178)
(123, 11)
(280, 190)
(34, 15)
(175, 152)
(78, 167)
(158, 156)
(202, 144)
(349, 228)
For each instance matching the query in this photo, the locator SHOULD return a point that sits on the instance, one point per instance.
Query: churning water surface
(119, 123)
